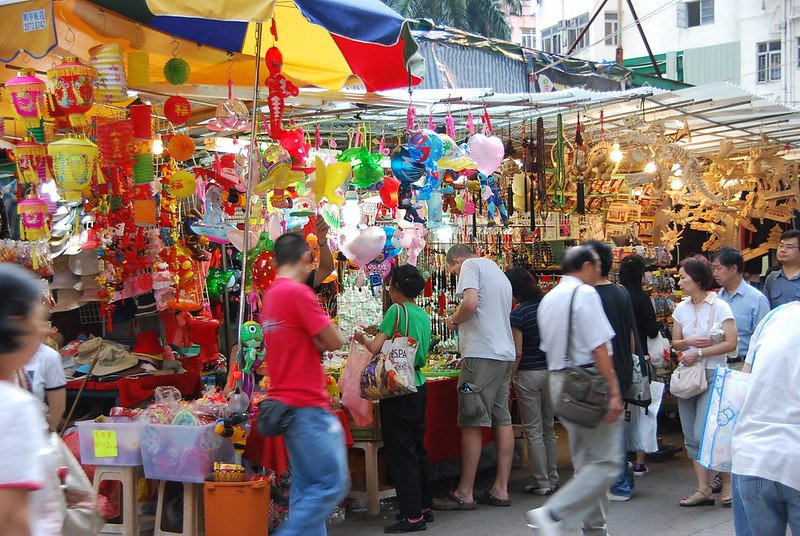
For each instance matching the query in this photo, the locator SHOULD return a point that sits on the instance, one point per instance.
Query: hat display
(85, 263)
(148, 344)
(87, 282)
(64, 279)
(111, 357)
(67, 299)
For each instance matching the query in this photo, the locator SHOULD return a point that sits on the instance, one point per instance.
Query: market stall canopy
(325, 43)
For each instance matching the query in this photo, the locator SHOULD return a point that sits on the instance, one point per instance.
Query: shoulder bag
(584, 394)
(76, 494)
(390, 372)
(690, 381)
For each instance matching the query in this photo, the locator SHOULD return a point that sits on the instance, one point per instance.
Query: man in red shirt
(296, 329)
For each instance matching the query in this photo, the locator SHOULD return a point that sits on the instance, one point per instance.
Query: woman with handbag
(704, 331)
(403, 417)
(29, 501)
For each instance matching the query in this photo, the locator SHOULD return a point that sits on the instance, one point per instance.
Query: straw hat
(64, 279)
(111, 357)
(85, 263)
(67, 299)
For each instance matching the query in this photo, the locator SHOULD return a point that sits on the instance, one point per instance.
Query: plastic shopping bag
(641, 430)
(728, 394)
(390, 372)
(350, 385)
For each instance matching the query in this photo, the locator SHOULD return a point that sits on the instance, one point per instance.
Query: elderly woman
(694, 317)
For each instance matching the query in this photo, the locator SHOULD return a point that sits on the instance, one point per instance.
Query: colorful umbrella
(325, 43)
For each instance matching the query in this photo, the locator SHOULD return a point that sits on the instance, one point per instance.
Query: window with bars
(612, 28)
(528, 38)
(768, 61)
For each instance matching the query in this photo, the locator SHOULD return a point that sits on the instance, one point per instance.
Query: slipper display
(487, 498)
(451, 502)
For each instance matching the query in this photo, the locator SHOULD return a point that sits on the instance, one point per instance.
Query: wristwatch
(700, 353)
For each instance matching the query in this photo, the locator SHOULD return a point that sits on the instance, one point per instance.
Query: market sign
(28, 27)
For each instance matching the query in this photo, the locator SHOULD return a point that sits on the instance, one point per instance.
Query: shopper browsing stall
(403, 417)
(531, 383)
(694, 318)
(295, 330)
(44, 377)
(783, 286)
(28, 500)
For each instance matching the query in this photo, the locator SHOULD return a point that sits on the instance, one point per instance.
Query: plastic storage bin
(128, 437)
(237, 508)
(182, 453)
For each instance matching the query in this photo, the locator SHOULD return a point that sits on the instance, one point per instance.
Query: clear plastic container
(182, 453)
(128, 438)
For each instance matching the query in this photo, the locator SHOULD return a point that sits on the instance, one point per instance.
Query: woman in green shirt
(403, 417)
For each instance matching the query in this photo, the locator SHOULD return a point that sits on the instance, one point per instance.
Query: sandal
(698, 498)
(716, 484)
(725, 498)
(487, 498)
(451, 502)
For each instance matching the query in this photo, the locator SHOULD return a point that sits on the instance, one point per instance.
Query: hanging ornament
(115, 140)
(75, 163)
(182, 184)
(33, 219)
(27, 95)
(30, 158)
(72, 89)
(181, 147)
(107, 60)
(138, 69)
(177, 110)
(141, 116)
(143, 168)
(279, 89)
(177, 71)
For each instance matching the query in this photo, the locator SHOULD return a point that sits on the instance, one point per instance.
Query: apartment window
(574, 28)
(768, 61)
(612, 27)
(551, 40)
(528, 37)
(695, 13)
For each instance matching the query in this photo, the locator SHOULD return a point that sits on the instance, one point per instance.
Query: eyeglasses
(787, 246)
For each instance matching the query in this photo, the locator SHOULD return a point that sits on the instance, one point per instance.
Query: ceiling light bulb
(158, 146)
(676, 184)
(616, 154)
(650, 167)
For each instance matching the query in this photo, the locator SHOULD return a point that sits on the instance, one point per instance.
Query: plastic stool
(128, 477)
(374, 492)
(192, 510)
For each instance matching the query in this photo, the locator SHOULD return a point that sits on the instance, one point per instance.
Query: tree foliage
(485, 17)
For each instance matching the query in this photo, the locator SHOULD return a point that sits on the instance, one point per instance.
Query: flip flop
(697, 499)
(451, 502)
(487, 498)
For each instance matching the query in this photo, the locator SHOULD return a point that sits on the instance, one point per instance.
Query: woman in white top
(28, 501)
(693, 317)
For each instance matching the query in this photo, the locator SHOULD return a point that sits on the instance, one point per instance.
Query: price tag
(105, 444)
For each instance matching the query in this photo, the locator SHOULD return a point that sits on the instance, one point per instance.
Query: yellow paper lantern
(107, 60)
(76, 162)
(31, 157)
(33, 219)
(138, 69)
(182, 184)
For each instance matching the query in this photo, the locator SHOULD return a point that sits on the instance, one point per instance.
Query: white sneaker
(618, 498)
(539, 519)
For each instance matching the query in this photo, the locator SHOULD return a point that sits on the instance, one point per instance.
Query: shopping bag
(728, 394)
(642, 429)
(350, 385)
(391, 371)
(657, 347)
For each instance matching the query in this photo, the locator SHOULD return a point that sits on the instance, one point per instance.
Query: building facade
(523, 24)
(751, 43)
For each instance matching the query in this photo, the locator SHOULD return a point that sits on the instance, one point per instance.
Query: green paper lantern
(143, 169)
(177, 71)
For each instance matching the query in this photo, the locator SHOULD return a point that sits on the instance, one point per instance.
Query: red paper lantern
(115, 141)
(177, 110)
(72, 93)
(142, 121)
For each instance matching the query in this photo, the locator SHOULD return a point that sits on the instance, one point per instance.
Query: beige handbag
(76, 494)
(688, 382)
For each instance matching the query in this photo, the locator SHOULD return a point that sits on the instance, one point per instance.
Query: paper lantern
(144, 212)
(107, 60)
(177, 71)
(143, 169)
(182, 184)
(177, 110)
(31, 158)
(138, 69)
(115, 140)
(72, 89)
(141, 116)
(75, 164)
(181, 147)
(27, 95)
(33, 219)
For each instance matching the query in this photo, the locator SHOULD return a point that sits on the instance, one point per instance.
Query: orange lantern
(27, 95)
(72, 89)
(144, 212)
(177, 110)
(33, 219)
(181, 147)
(31, 157)
(75, 163)
(115, 140)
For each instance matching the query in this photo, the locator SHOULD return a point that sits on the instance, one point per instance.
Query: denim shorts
(483, 389)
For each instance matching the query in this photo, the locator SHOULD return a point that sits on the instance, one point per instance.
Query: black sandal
(487, 498)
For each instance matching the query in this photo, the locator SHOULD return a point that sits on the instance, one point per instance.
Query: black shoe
(404, 525)
(428, 514)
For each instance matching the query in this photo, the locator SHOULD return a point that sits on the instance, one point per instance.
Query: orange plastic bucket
(237, 508)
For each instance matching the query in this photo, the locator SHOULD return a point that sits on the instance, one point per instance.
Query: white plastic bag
(350, 385)
(642, 429)
(656, 347)
(728, 394)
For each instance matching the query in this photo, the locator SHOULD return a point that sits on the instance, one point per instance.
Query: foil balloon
(434, 210)
(487, 151)
(382, 268)
(329, 179)
(389, 192)
(449, 146)
(405, 167)
(426, 147)
(361, 246)
(293, 221)
(274, 227)
(263, 271)
(217, 281)
(366, 166)
(391, 247)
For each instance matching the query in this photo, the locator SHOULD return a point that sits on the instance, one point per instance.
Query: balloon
(391, 247)
(294, 141)
(262, 271)
(217, 280)
(293, 221)
(435, 210)
(426, 146)
(487, 152)
(330, 213)
(274, 227)
(404, 167)
(383, 268)
(366, 166)
(361, 246)
(449, 146)
(329, 178)
(388, 192)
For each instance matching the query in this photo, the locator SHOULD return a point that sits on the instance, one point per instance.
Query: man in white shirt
(766, 440)
(487, 348)
(45, 375)
(578, 328)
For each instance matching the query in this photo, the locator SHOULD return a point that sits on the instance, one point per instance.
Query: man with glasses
(783, 286)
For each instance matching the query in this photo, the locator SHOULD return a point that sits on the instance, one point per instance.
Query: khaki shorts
(483, 402)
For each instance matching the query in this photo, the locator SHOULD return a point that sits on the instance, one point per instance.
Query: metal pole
(586, 28)
(644, 39)
(250, 178)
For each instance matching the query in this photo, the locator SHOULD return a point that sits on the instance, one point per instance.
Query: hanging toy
(252, 345)
(490, 192)
(235, 427)
(279, 89)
